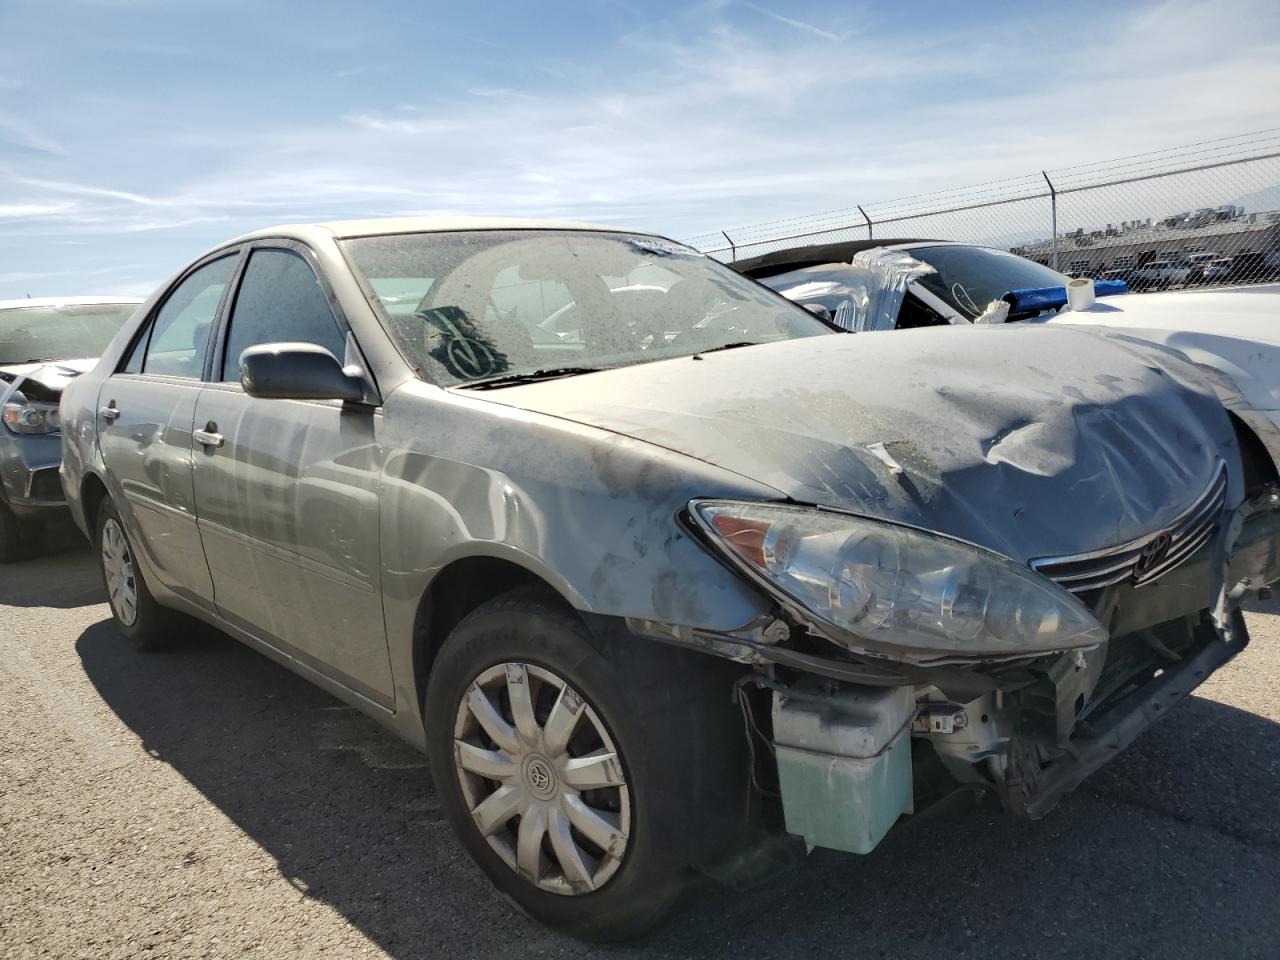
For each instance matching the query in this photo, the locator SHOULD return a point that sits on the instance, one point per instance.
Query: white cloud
(798, 24)
(84, 190)
(25, 210)
(20, 133)
(361, 70)
(702, 120)
(499, 93)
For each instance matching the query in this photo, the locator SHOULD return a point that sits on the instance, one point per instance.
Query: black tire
(10, 535)
(676, 731)
(152, 627)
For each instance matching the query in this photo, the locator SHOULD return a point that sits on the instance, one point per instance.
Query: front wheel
(583, 776)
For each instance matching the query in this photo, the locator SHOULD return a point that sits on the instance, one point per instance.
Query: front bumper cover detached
(1032, 790)
(1245, 558)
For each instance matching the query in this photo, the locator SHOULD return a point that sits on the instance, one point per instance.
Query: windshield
(61, 332)
(474, 306)
(969, 278)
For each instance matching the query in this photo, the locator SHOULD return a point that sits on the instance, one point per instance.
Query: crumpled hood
(42, 381)
(1030, 441)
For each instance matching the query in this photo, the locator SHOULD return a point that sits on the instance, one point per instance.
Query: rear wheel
(584, 776)
(144, 623)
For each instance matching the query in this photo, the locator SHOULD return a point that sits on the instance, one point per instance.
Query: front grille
(1143, 560)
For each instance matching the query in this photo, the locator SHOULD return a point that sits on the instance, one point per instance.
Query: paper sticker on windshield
(663, 248)
(470, 359)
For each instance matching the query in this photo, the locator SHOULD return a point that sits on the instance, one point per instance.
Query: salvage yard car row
(654, 562)
(43, 344)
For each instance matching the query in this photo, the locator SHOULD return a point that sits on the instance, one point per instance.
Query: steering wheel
(712, 329)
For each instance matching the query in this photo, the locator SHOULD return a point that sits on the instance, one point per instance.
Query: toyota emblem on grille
(1153, 553)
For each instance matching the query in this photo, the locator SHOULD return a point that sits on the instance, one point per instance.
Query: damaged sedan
(44, 344)
(651, 562)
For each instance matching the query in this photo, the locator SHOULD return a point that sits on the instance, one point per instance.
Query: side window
(280, 300)
(139, 351)
(179, 337)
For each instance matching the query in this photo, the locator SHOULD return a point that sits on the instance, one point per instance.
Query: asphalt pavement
(207, 803)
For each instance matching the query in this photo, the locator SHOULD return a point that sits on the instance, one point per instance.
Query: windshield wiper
(729, 346)
(512, 379)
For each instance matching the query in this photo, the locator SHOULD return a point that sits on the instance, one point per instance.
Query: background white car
(1235, 330)
(897, 284)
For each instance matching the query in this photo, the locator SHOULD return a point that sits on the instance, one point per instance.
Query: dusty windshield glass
(969, 278)
(62, 332)
(474, 306)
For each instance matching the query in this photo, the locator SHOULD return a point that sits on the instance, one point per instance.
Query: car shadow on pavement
(59, 574)
(1172, 851)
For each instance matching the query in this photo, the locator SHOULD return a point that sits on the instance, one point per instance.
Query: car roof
(64, 301)
(345, 229)
(795, 258)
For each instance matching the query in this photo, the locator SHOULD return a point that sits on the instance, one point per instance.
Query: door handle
(109, 412)
(209, 436)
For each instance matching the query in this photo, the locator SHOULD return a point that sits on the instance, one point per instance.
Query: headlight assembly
(21, 415)
(892, 587)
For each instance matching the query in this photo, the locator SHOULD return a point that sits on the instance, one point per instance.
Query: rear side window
(179, 339)
(280, 301)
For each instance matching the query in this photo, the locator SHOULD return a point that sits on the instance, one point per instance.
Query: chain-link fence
(1206, 213)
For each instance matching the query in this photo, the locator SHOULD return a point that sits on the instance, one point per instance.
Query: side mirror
(297, 371)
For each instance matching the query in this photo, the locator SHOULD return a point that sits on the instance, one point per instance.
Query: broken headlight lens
(21, 415)
(890, 586)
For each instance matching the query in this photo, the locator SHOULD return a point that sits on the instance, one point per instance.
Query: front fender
(594, 514)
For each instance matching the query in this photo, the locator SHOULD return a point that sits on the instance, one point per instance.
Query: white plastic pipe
(1080, 294)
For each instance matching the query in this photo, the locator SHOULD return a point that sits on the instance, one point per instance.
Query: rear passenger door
(287, 490)
(145, 411)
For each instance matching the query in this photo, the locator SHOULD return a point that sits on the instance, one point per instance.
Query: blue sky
(136, 133)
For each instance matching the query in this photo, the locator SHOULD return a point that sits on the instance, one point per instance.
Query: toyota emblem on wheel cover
(1152, 554)
(539, 777)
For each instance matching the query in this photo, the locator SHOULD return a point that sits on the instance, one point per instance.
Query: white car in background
(867, 285)
(1235, 330)
(1159, 274)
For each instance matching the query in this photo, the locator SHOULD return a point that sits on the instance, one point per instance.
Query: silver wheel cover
(117, 563)
(542, 778)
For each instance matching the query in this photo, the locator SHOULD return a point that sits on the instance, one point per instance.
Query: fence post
(1053, 206)
(868, 219)
(732, 246)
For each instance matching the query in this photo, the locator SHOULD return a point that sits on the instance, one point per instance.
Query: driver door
(287, 490)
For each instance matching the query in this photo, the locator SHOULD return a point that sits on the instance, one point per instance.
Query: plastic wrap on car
(878, 285)
(863, 295)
